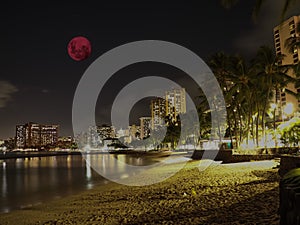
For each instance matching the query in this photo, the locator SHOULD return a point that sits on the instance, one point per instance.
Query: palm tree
(220, 65)
(173, 131)
(258, 4)
(248, 90)
(232, 73)
(296, 71)
(204, 116)
(271, 76)
(242, 94)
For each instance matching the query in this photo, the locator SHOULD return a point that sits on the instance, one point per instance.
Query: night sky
(38, 78)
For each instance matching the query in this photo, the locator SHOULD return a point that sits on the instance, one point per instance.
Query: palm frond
(287, 5)
(256, 8)
(228, 3)
(291, 43)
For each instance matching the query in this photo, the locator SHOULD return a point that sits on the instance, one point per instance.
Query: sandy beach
(240, 193)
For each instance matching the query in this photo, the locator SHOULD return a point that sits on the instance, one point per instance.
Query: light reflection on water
(30, 181)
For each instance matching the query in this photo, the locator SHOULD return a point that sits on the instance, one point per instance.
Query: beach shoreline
(34, 154)
(236, 193)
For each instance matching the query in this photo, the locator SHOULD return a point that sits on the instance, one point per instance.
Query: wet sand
(240, 193)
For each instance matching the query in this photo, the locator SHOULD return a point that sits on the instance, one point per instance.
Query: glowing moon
(79, 48)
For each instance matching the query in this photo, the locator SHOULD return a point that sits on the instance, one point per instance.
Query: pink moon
(79, 48)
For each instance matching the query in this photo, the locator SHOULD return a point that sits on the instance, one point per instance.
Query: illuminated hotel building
(172, 105)
(175, 103)
(158, 113)
(20, 136)
(145, 125)
(282, 32)
(98, 133)
(33, 135)
(49, 134)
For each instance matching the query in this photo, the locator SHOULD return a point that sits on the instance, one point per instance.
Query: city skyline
(35, 135)
(39, 79)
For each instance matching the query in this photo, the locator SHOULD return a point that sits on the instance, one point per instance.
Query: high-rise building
(145, 125)
(33, 135)
(172, 105)
(93, 138)
(20, 136)
(158, 113)
(283, 32)
(49, 134)
(98, 133)
(106, 131)
(175, 103)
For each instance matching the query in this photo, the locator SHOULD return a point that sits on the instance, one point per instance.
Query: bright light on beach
(288, 109)
(273, 106)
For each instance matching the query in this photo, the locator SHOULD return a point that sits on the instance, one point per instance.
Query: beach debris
(194, 193)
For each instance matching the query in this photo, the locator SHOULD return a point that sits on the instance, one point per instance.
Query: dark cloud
(6, 91)
(262, 32)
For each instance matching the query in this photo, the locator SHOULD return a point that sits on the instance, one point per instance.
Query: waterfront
(25, 182)
(240, 193)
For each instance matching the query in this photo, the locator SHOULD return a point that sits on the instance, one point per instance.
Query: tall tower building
(33, 135)
(106, 131)
(175, 103)
(158, 113)
(97, 134)
(282, 32)
(20, 136)
(49, 134)
(145, 125)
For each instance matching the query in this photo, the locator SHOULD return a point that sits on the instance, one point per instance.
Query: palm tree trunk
(257, 125)
(252, 127)
(252, 121)
(235, 129)
(263, 117)
(240, 124)
(249, 123)
(229, 125)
